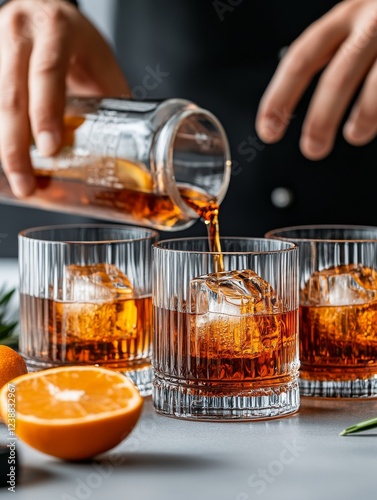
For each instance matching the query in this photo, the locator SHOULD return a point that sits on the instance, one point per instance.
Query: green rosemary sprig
(6, 326)
(361, 426)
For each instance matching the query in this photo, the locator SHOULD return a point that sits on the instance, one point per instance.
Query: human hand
(345, 42)
(46, 48)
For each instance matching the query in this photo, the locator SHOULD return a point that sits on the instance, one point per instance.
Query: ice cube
(234, 314)
(232, 292)
(96, 282)
(97, 303)
(341, 285)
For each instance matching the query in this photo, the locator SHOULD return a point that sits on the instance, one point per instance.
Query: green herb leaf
(5, 297)
(6, 326)
(6, 330)
(361, 426)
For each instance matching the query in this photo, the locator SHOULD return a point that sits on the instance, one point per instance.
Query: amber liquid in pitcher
(119, 185)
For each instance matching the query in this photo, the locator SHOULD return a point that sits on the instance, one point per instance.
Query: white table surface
(169, 459)
(298, 457)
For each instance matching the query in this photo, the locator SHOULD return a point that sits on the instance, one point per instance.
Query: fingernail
(270, 129)
(21, 184)
(48, 142)
(355, 132)
(312, 147)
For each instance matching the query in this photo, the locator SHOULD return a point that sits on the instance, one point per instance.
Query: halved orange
(72, 413)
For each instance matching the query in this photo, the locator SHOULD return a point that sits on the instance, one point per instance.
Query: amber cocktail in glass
(338, 309)
(85, 298)
(225, 342)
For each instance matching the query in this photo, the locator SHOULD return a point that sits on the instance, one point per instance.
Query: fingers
(48, 68)
(345, 39)
(307, 55)
(361, 126)
(333, 94)
(94, 69)
(14, 130)
(110, 82)
(88, 78)
(337, 85)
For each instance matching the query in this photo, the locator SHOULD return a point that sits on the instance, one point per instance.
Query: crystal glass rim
(149, 234)
(290, 246)
(275, 233)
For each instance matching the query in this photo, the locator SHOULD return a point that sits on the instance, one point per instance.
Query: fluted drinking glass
(85, 298)
(338, 308)
(225, 343)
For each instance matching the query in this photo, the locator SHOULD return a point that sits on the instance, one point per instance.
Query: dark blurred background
(221, 55)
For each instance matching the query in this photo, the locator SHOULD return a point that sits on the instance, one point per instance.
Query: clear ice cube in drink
(97, 303)
(234, 313)
(343, 285)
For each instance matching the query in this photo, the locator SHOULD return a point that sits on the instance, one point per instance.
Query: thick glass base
(227, 402)
(339, 389)
(141, 376)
